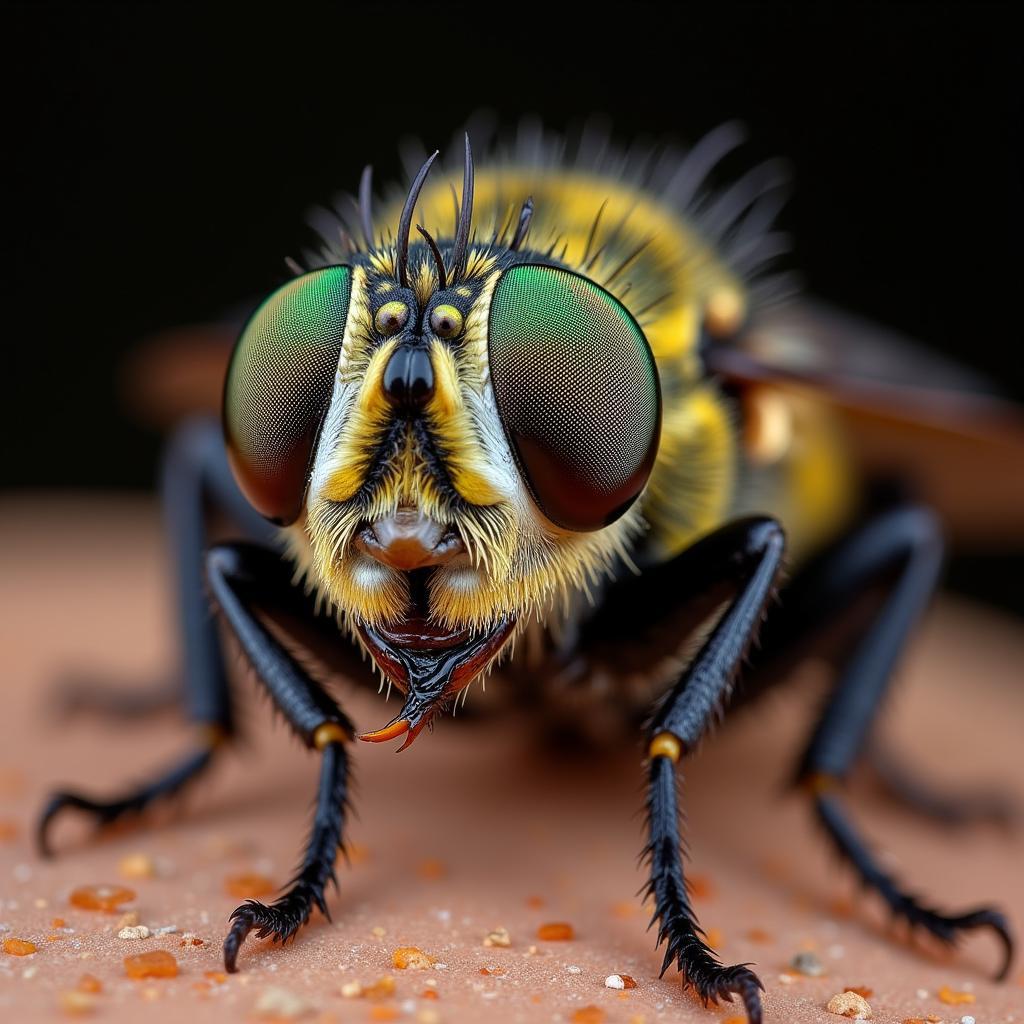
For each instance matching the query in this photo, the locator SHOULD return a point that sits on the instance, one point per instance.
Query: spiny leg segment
(243, 578)
(744, 557)
(196, 482)
(896, 555)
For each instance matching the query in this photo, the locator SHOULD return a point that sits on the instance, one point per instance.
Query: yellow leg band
(665, 745)
(329, 732)
(211, 735)
(820, 782)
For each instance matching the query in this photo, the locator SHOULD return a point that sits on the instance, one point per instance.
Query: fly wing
(909, 413)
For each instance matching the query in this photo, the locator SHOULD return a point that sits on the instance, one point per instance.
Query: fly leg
(242, 578)
(740, 562)
(196, 481)
(894, 556)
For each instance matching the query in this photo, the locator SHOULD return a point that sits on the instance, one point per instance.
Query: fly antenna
(460, 252)
(366, 204)
(405, 221)
(442, 280)
(525, 216)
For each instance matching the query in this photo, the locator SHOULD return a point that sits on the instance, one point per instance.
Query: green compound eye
(577, 390)
(278, 386)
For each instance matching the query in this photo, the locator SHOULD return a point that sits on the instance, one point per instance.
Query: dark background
(163, 162)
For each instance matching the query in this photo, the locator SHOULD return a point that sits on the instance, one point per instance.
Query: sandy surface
(472, 828)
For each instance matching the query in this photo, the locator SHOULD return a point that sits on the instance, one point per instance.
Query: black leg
(196, 482)
(743, 559)
(242, 578)
(894, 557)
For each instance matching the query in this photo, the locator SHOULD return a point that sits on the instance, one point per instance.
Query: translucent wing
(909, 413)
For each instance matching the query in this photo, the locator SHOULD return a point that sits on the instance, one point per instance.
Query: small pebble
(156, 964)
(967, 1019)
(139, 931)
(136, 865)
(849, 1004)
(498, 937)
(107, 898)
(573, 969)
(280, 1004)
(808, 964)
(19, 947)
(76, 1003)
(951, 997)
(614, 981)
(412, 958)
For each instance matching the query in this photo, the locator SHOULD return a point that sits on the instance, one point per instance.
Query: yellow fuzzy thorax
(673, 280)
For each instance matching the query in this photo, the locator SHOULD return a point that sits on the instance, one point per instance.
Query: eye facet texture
(577, 389)
(278, 386)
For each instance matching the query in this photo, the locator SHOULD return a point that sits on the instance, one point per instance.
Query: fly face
(472, 455)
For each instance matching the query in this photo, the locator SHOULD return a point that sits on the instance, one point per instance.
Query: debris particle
(498, 937)
(952, 998)
(378, 932)
(58, 922)
(165, 929)
(89, 983)
(861, 990)
(967, 1019)
(136, 865)
(107, 898)
(158, 963)
(191, 939)
(352, 989)
(849, 1004)
(280, 1004)
(589, 1015)
(249, 886)
(573, 969)
(412, 958)
(139, 931)
(382, 988)
(787, 979)
(431, 869)
(808, 964)
(558, 931)
(129, 919)
(76, 1003)
(19, 947)
(619, 981)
